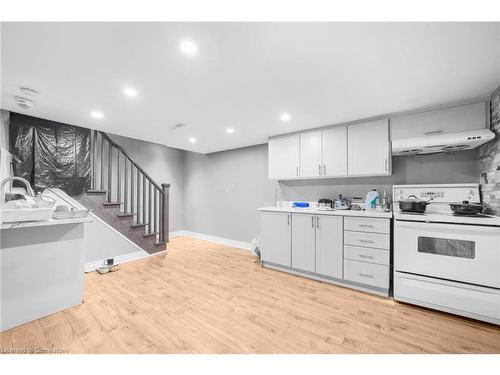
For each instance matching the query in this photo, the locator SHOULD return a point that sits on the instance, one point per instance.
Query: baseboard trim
(91, 266)
(224, 241)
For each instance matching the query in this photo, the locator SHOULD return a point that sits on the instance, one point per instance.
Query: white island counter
(41, 269)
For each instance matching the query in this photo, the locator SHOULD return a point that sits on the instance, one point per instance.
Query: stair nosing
(138, 225)
(125, 215)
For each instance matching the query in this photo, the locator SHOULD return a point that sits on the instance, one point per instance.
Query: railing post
(110, 171)
(164, 213)
(93, 139)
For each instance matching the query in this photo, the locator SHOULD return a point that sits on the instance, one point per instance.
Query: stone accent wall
(489, 161)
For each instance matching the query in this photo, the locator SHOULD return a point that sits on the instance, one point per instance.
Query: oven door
(466, 253)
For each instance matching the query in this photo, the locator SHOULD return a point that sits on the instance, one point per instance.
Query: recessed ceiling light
(285, 117)
(229, 130)
(130, 92)
(96, 114)
(188, 47)
(192, 140)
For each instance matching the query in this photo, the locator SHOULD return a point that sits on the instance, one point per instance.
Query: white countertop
(315, 211)
(27, 224)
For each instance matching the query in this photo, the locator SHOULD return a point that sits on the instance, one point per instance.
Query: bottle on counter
(372, 200)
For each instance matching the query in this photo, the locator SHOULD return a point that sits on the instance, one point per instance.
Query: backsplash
(489, 161)
(458, 167)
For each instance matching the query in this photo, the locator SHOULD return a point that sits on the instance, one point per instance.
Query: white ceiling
(244, 75)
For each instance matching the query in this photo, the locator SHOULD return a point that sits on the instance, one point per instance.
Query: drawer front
(375, 240)
(464, 299)
(364, 224)
(366, 273)
(367, 255)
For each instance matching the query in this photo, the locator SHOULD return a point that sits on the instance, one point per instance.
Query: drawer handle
(365, 275)
(366, 256)
(366, 241)
(366, 226)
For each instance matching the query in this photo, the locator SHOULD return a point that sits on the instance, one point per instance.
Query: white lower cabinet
(304, 242)
(275, 238)
(329, 246)
(317, 244)
(367, 243)
(321, 246)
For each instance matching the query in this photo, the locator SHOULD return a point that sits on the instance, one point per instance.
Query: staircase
(126, 197)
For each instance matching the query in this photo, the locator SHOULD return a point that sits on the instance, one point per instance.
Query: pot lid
(467, 204)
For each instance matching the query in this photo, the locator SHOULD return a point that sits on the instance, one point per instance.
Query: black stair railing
(126, 183)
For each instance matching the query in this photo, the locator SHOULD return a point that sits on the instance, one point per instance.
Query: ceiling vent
(23, 103)
(176, 126)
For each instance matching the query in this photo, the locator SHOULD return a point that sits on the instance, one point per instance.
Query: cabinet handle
(324, 170)
(317, 222)
(319, 169)
(288, 219)
(365, 275)
(312, 221)
(386, 165)
(366, 241)
(366, 256)
(297, 171)
(366, 226)
(433, 132)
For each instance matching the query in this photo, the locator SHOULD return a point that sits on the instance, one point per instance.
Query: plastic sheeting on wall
(51, 154)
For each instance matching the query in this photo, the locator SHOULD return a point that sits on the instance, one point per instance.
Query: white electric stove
(445, 261)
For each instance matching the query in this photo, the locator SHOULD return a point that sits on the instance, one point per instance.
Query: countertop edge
(374, 214)
(28, 224)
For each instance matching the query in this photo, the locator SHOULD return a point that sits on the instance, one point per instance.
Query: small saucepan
(466, 208)
(413, 204)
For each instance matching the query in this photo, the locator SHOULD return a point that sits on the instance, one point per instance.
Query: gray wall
(164, 165)
(4, 129)
(223, 190)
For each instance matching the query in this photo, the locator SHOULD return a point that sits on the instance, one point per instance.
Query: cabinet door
(334, 151)
(303, 242)
(329, 246)
(275, 232)
(284, 157)
(368, 149)
(454, 119)
(310, 154)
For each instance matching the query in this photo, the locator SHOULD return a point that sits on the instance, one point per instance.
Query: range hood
(449, 142)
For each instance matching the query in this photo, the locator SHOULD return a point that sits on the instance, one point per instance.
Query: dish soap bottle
(372, 200)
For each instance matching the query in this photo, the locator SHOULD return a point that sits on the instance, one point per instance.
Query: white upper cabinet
(334, 151)
(284, 157)
(310, 154)
(368, 148)
(447, 120)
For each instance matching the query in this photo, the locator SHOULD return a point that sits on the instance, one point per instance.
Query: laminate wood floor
(203, 297)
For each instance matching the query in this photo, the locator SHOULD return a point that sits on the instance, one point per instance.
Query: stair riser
(122, 224)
